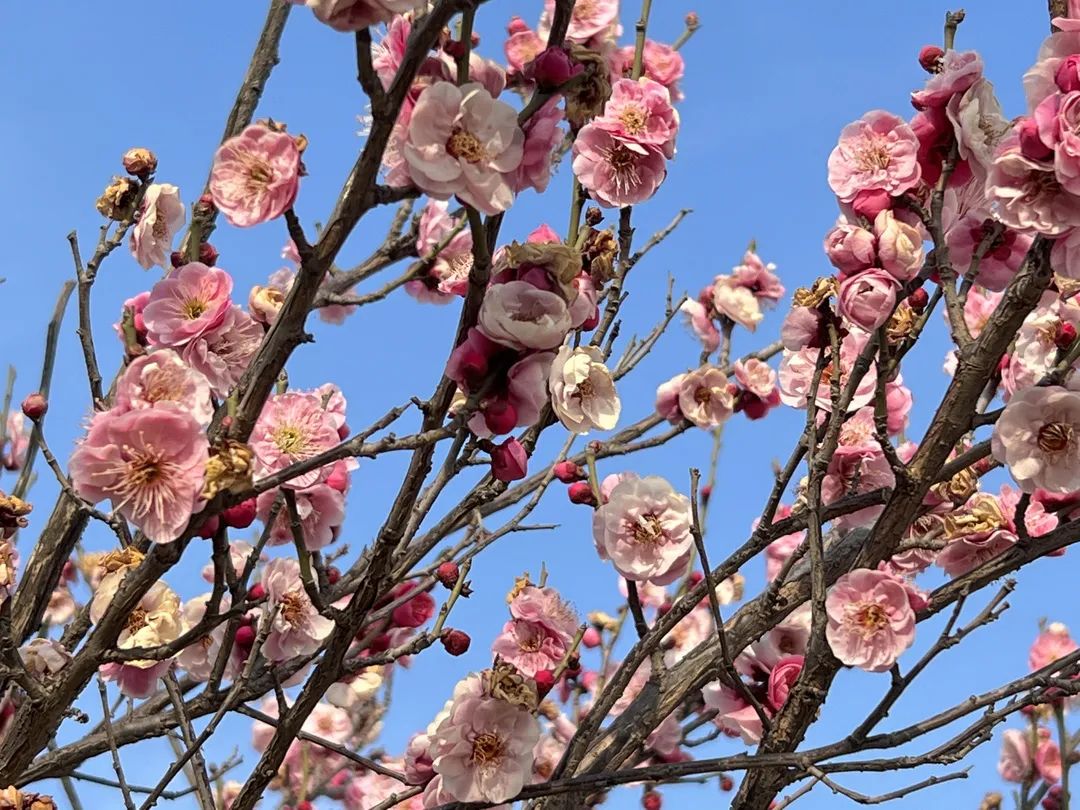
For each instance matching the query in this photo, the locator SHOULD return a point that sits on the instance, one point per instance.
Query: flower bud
(706, 493)
(552, 68)
(871, 202)
(208, 254)
(692, 20)
(177, 259)
(899, 247)
(140, 162)
(517, 26)
(448, 574)
(455, 642)
(333, 575)
(867, 299)
(726, 783)
(1068, 74)
(850, 248)
(35, 406)
(581, 492)
(1031, 145)
(117, 201)
(245, 636)
(509, 461)
(568, 472)
(545, 680)
(500, 416)
(918, 300)
(1066, 336)
(930, 58)
(256, 592)
(240, 516)
(208, 528)
(204, 206)
(592, 638)
(415, 612)
(593, 216)
(652, 801)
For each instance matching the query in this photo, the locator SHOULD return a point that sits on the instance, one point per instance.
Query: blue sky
(768, 88)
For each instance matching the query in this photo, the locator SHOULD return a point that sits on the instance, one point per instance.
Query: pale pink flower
(321, 509)
(353, 15)
(899, 246)
(848, 475)
(756, 376)
(898, 402)
(870, 620)
(735, 717)
(149, 463)
(662, 63)
(850, 248)
(61, 607)
(542, 136)
(1027, 754)
(527, 386)
(758, 277)
(583, 393)
(976, 532)
(154, 621)
(978, 308)
(644, 529)
(1027, 194)
(388, 53)
(265, 301)
(667, 399)
(705, 397)
(463, 141)
(539, 633)
(239, 552)
(1057, 118)
(965, 232)
(640, 112)
(162, 380)
(1038, 438)
(521, 316)
(876, 152)
(803, 328)
(590, 18)
(787, 638)
(1035, 351)
(297, 628)
(187, 304)
(16, 440)
(199, 658)
(978, 125)
(292, 427)
(1037, 519)
(867, 299)
(256, 175)
(1048, 758)
(778, 552)
(522, 47)
(649, 593)
(615, 172)
(483, 750)
(1040, 80)
(223, 355)
(797, 374)
(1052, 643)
(699, 319)
(161, 216)
(44, 657)
(737, 302)
(959, 70)
(452, 264)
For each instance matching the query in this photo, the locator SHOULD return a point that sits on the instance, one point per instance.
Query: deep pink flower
(521, 48)
(590, 18)
(1038, 439)
(870, 620)
(542, 136)
(849, 247)
(463, 141)
(297, 628)
(758, 277)
(640, 112)
(255, 176)
(162, 380)
(521, 316)
(876, 152)
(161, 216)
(149, 463)
(187, 304)
(292, 427)
(644, 529)
(539, 633)
(615, 172)
(782, 678)
(352, 15)
(867, 299)
(551, 68)
(959, 70)
(662, 63)
(1052, 643)
(705, 397)
(802, 329)
(1027, 193)
(734, 716)
(223, 354)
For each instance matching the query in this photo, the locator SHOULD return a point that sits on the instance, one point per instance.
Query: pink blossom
(1070, 22)
(463, 141)
(149, 463)
(640, 112)
(1040, 80)
(518, 315)
(802, 329)
(705, 397)
(699, 319)
(778, 552)
(662, 64)
(321, 509)
(867, 299)
(583, 393)
(521, 48)
(154, 621)
(1057, 118)
(353, 15)
(644, 529)
(162, 380)
(199, 658)
(876, 152)
(590, 18)
(297, 627)
(787, 638)
(870, 620)
(388, 53)
(527, 388)
(44, 657)
(615, 172)
(189, 303)
(978, 125)
(650, 594)
(539, 633)
(898, 402)
(959, 70)
(667, 399)
(16, 440)
(161, 216)
(1038, 438)
(483, 749)
(849, 247)
(1004, 255)
(223, 354)
(758, 277)
(782, 678)
(735, 717)
(454, 261)
(737, 302)
(976, 532)
(542, 136)
(849, 475)
(1052, 643)
(256, 175)
(1027, 194)
(135, 682)
(292, 427)
(1014, 764)
(899, 247)
(797, 374)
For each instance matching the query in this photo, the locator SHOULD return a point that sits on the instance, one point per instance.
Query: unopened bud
(1066, 336)
(692, 20)
(568, 472)
(930, 58)
(918, 300)
(34, 406)
(593, 217)
(448, 574)
(455, 642)
(1068, 74)
(726, 783)
(208, 254)
(204, 206)
(208, 528)
(333, 575)
(581, 492)
(592, 638)
(176, 259)
(652, 800)
(706, 493)
(140, 162)
(500, 416)
(245, 636)
(1031, 145)
(517, 26)
(240, 516)
(545, 681)
(256, 592)
(552, 68)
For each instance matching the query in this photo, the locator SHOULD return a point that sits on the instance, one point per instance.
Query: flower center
(633, 119)
(292, 607)
(465, 146)
(623, 165)
(871, 618)
(165, 385)
(1054, 437)
(136, 620)
(648, 529)
(585, 389)
(703, 396)
(194, 308)
(872, 156)
(289, 439)
(487, 749)
(160, 228)
(258, 173)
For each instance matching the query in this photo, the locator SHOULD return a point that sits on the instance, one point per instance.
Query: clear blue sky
(768, 88)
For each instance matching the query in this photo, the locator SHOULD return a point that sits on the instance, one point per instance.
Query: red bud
(240, 516)
(448, 574)
(581, 492)
(455, 642)
(1066, 336)
(568, 472)
(918, 300)
(256, 592)
(930, 58)
(34, 406)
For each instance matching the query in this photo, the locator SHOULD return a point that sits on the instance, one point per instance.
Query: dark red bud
(516, 26)
(34, 406)
(208, 254)
(448, 574)
(455, 642)
(333, 575)
(1066, 336)
(1031, 145)
(245, 636)
(726, 783)
(500, 416)
(871, 202)
(1068, 74)
(568, 472)
(545, 681)
(652, 801)
(240, 516)
(918, 300)
(581, 492)
(930, 58)
(552, 68)
(256, 592)
(176, 259)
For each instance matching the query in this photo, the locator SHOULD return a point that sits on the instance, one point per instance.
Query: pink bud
(592, 638)
(245, 636)
(545, 680)
(509, 461)
(930, 58)
(581, 492)
(448, 574)
(568, 472)
(552, 68)
(500, 416)
(1066, 336)
(517, 26)
(726, 783)
(850, 248)
(455, 642)
(871, 202)
(256, 592)
(343, 432)
(1031, 145)
(34, 406)
(338, 478)
(240, 516)
(782, 677)
(415, 612)
(652, 800)
(1068, 74)
(867, 298)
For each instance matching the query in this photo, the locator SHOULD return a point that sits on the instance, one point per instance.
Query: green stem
(576, 201)
(465, 38)
(639, 45)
